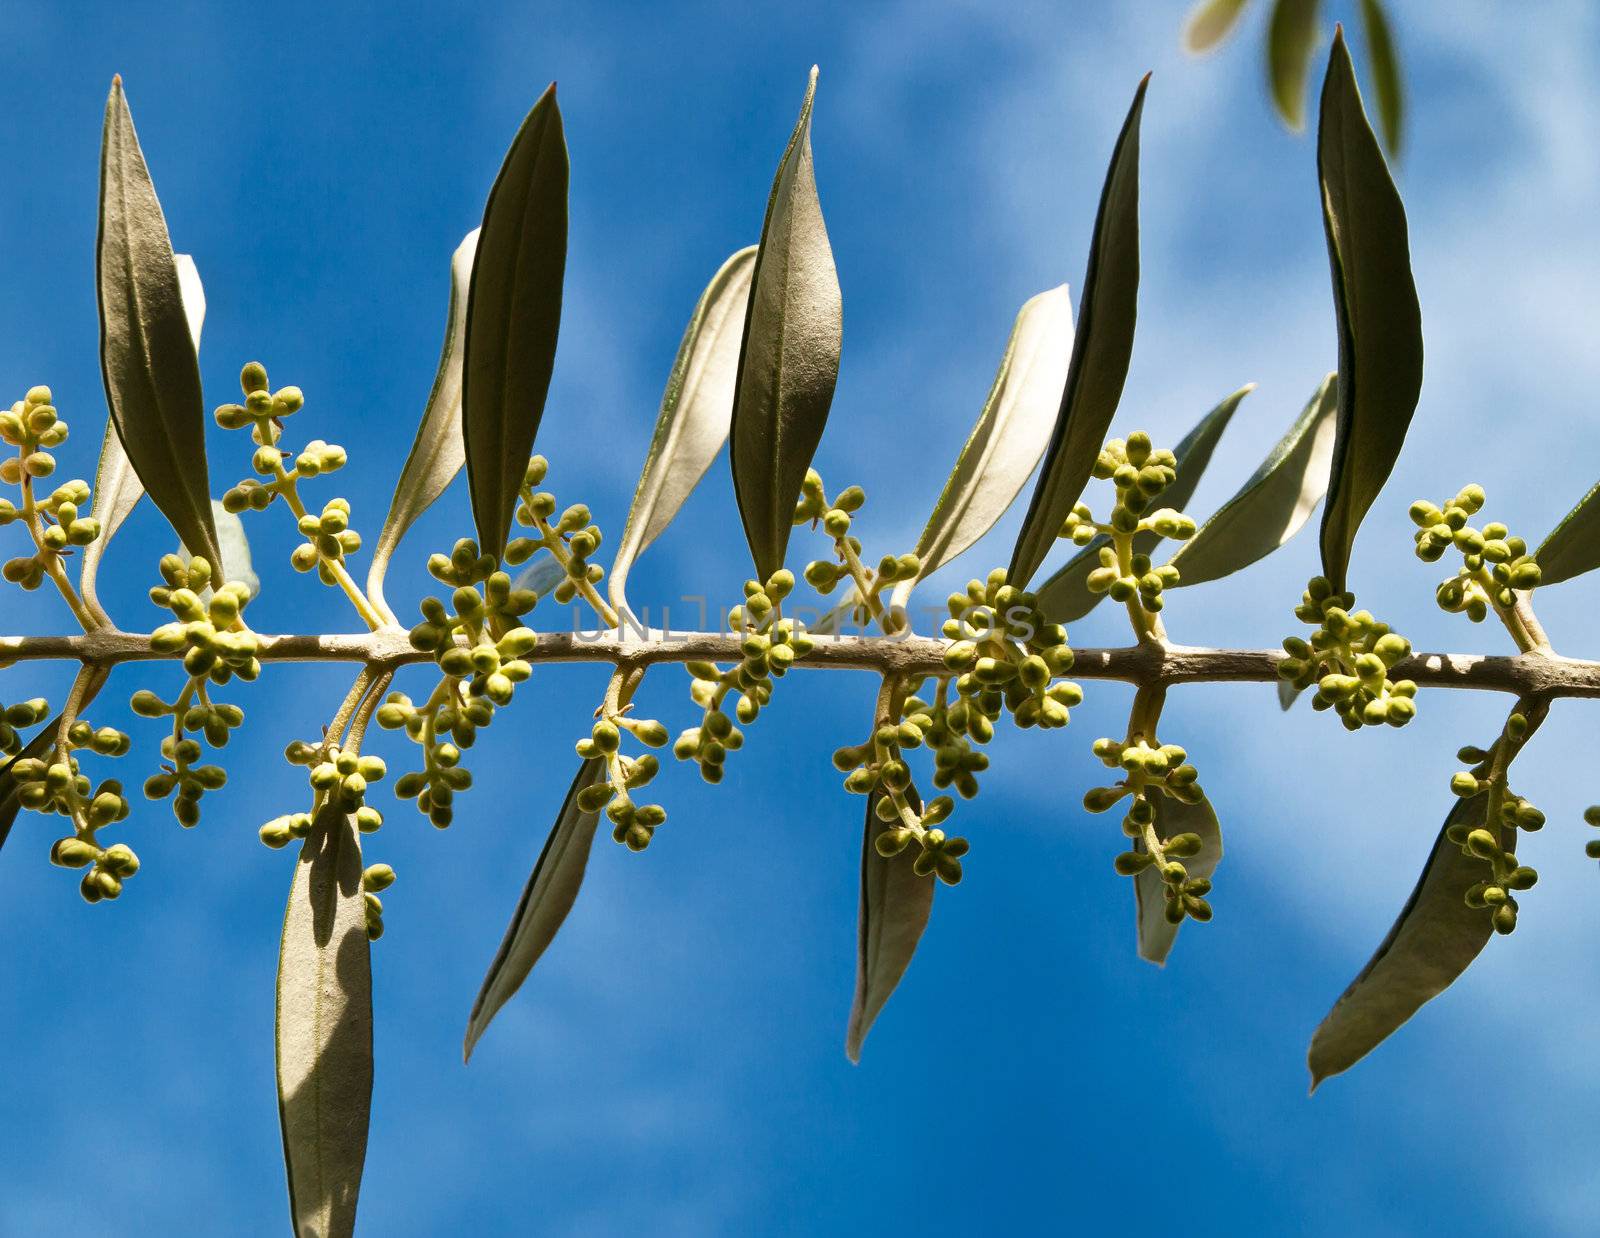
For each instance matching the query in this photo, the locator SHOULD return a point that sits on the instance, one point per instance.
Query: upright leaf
(1066, 597)
(438, 451)
(1100, 353)
(147, 351)
(1375, 304)
(546, 899)
(789, 356)
(1386, 80)
(1173, 817)
(1010, 435)
(696, 410)
(1272, 506)
(325, 1030)
(1210, 22)
(513, 316)
(1573, 546)
(116, 486)
(1291, 40)
(895, 905)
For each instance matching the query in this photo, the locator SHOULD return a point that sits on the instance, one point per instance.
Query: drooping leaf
(1375, 304)
(696, 410)
(1210, 22)
(324, 1024)
(513, 316)
(117, 489)
(1010, 435)
(1100, 354)
(789, 355)
(1272, 506)
(1573, 546)
(1386, 80)
(1291, 41)
(147, 350)
(1173, 817)
(438, 451)
(546, 899)
(1066, 597)
(895, 905)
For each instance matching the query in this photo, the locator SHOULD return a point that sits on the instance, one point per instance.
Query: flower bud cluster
(770, 645)
(1349, 659)
(14, 718)
(1005, 655)
(633, 825)
(1503, 811)
(339, 778)
(215, 643)
(879, 767)
(58, 785)
(55, 521)
(375, 878)
(835, 518)
(1494, 565)
(194, 712)
(956, 763)
(329, 538)
(571, 538)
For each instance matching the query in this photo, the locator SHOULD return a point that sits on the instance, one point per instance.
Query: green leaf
(438, 450)
(1173, 817)
(117, 489)
(1272, 506)
(1288, 694)
(1100, 354)
(1573, 546)
(696, 410)
(513, 316)
(1436, 937)
(546, 899)
(789, 356)
(895, 905)
(1210, 22)
(1375, 304)
(1291, 40)
(147, 351)
(324, 1023)
(1010, 435)
(1386, 79)
(1065, 597)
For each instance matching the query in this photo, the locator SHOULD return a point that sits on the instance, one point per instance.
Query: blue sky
(675, 1065)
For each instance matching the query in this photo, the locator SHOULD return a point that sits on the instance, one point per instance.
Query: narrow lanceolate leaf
(1386, 81)
(895, 905)
(1173, 817)
(1272, 506)
(1210, 22)
(325, 1030)
(513, 315)
(438, 451)
(1573, 547)
(1375, 304)
(1010, 435)
(1066, 597)
(696, 410)
(1436, 937)
(789, 356)
(1291, 40)
(1100, 354)
(147, 351)
(546, 899)
(117, 489)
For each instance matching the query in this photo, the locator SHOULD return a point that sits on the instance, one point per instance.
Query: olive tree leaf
(789, 355)
(541, 576)
(1100, 354)
(1272, 506)
(696, 410)
(1291, 40)
(1210, 22)
(1288, 694)
(513, 316)
(1066, 597)
(895, 905)
(147, 350)
(236, 562)
(1386, 79)
(1173, 817)
(324, 1024)
(1375, 304)
(1010, 435)
(547, 898)
(438, 451)
(1573, 546)
(117, 488)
